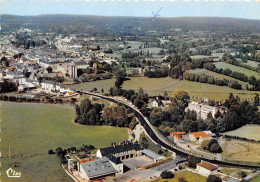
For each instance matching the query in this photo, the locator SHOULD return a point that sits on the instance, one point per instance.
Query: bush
(167, 175)
(213, 178)
(51, 152)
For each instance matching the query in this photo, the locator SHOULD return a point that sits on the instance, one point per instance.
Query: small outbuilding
(156, 157)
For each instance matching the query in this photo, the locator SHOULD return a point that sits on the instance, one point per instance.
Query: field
(238, 69)
(38, 168)
(155, 86)
(217, 75)
(241, 151)
(247, 131)
(36, 128)
(189, 176)
(250, 63)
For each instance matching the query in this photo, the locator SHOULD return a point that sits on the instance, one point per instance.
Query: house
(94, 169)
(157, 102)
(200, 136)
(124, 151)
(205, 168)
(178, 140)
(178, 133)
(202, 110)
(131, 70)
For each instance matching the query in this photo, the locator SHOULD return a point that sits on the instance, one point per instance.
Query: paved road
(157, 139)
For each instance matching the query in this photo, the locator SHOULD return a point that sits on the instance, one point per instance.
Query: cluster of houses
(198, 137)
(108, 161)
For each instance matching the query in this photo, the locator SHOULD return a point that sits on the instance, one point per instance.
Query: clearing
(237, 69)
(249, 131)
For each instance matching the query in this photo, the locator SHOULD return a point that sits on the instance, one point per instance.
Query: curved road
(152, 134)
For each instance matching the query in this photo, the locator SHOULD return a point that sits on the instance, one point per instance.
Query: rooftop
(207, 165)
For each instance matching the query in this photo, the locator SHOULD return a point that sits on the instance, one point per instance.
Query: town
(131, 100)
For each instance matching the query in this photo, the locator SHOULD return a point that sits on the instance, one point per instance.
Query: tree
(193, 161)
(213, 178)
(215, 148)
(256, 99)
(205, 144)
(120, 77)
(51, 152)
(49, 69)
(59, 151)
(167, 175)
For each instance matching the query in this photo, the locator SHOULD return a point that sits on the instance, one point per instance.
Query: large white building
(202, 110)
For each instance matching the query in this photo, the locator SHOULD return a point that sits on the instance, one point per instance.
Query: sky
(249, 9)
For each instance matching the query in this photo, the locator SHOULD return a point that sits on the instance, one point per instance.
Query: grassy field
(36, 128)
(189, 176)
(241, 151)
(250, 63)
(45, 168)
(247, 131)
(237, 68)
(155, 86)
(217, 75)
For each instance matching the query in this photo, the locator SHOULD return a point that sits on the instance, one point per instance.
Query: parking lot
(137, 162)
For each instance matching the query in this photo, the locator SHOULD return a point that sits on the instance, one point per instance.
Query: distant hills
(83, 23)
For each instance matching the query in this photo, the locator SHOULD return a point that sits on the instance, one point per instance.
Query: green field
(155, 86)
(189, 176)
(247, 131)
(36, 128)
(237, 69)
(45, 168)
(250, 63)
(217, 75)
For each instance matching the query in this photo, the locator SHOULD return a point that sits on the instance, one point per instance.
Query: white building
(205, 168)
(95, 169)
(202, 110)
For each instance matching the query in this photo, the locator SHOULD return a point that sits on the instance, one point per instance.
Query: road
(155, 137)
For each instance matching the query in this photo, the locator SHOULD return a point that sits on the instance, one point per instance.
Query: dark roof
(120, 148)
(114, 159)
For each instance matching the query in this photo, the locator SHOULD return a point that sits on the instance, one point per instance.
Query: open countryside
(247, 131)
(155, 86)
(247, 72)
(41, 127)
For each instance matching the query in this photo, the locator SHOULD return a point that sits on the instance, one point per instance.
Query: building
(201, 136)
(124, 151)
(205, 168)
(178, 133)
(154, 156)
(202, 110)
(157, 102)
(95, 169)
(117, 163)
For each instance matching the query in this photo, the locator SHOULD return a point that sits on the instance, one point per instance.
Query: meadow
(189, 176)
(241, 151)
(217, 76)
(36, 128)
(237, 69)
(155, 86)
(37, 169)
(249, 131)
(250, 63)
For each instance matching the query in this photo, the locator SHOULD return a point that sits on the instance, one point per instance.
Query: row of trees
(211, 80)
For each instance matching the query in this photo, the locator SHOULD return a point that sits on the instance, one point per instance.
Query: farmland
(36, 128)
(247, 131)
(237, 69)
(250, 63)
(36, 168)
(241, 151)
(155, 86)
(217, 76)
